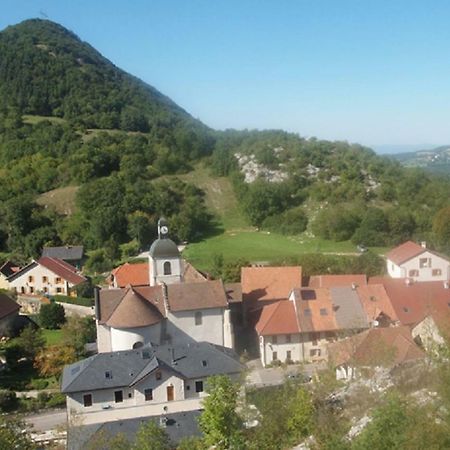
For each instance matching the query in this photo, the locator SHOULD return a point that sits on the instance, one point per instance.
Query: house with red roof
(47, 275)
(417, 262)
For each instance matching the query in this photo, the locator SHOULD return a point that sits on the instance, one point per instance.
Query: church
(169, 310)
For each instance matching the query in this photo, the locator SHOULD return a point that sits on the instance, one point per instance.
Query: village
(163, 328)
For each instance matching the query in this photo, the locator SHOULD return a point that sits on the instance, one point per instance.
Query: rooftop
(337, 280)
(405, 252)
(68, 252)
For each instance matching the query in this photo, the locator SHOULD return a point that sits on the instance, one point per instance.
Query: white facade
(128, 338)
(425, 267)
(40, 280)
(299, 347)
(165, 270)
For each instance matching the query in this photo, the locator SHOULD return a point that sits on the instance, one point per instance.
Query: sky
(373, 72)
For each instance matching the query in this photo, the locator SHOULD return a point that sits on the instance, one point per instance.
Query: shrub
(38, 384)
(52, 316)
(8, 400)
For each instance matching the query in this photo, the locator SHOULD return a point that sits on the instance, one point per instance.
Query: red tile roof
(387, 347)
(62, 269)
(337, 280)
(269, 283)
(414, 301)
(277, 318)
(405, 252)
(131, 274)
(376, 302)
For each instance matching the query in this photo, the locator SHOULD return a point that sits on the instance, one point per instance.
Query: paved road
(47, 421)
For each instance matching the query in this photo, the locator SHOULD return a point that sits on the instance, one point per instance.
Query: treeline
(357, 194)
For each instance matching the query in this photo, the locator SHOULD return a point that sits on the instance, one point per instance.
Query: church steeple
(165, 262)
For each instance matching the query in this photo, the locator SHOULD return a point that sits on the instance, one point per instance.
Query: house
(139, 275)
(300, 328)
(431, 333)
(386, 347)
(416, 262)
(72, 254)
(9, 311)
(46, 276)
(6, 270)
(150, 381)
(377, 305)
(169, 309)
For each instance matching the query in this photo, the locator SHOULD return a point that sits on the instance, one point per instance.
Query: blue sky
(374, 72)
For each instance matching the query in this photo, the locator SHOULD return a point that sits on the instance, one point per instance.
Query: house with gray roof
(73, 254)
(149, 381)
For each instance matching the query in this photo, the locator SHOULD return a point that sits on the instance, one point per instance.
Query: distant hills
(435, 160)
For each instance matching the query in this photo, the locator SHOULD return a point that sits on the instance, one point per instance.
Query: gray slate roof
(164, 248)
(128, 367)
(67, 253)
(347, 308)
(177, 426)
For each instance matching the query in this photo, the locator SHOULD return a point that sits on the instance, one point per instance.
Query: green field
(62, 199)
(52, 337)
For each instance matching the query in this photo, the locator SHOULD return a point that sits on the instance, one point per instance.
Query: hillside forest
(69, 117)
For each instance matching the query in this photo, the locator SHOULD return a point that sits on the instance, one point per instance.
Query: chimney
(424, 244)
(97, 302)
(408, 281)
(354, 286)
(446, 285)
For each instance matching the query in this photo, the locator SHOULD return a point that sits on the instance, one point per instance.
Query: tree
(52, 316)
(8, 400)
(77, 332)
(219, 421)
(441, 227)
(31, 340)
(51, 360)
(151, 436)
(103, 441)
(300, 420)
(12, 435)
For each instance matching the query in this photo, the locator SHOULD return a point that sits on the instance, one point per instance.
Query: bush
(52, 316)
(13, 353)
(55, 400)
(85, 289)
(293, 221)
(8, 400)
(38, 384)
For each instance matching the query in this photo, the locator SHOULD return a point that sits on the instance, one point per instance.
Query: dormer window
(204, 363)
(167, 268)
(198, 318)
(108, 375)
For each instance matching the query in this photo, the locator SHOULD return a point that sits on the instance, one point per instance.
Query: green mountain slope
(435, 160)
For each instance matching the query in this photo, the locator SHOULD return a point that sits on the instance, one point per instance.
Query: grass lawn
(52, 337)
(31, 119)
(261, 247)
(62, 199)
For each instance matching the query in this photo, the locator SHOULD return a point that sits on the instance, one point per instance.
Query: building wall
(438, 269)
(157, 271)
(38, 285)
(103, 338)
(125, 338)
(429, 334)
(3, 282)
(304, 347)
(181, 324)
(394, 271)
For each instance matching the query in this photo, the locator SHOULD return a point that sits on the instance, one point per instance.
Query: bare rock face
(252, 169)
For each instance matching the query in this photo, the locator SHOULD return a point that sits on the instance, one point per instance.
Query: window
(158, 375)
(274, 339)
(204, 363)
(58, 280)
(436, 272)
(307, 312)
(424, 262)
(130, 395)
(314, 352)
(323, 312)
(58, 290)
(198, 318)
(413, 273)
(44, 279)
(31, 289)
(30, 279)
(329, 336)
(199, 386)
(288, 355)
(288, 339)
(22, 290)
(138, 344)
(274, 356)
(314, 337)
(108, 375)
(118, 396)
(87, 400)
(45, 290)
(148, 394)
(167, 268)
(405, 309)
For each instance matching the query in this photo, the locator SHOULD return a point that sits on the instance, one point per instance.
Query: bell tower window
(167, 268)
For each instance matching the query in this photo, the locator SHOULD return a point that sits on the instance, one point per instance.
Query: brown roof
(278, 318)
(188, 296)
(138, 274)
(376, 302)
(405, 252)
(413, 301)
(388, 347)
(337, 280)
(234, 292)
(62, 269)
(269, 283)
(134, 311)
(131, 274)
(7, 306)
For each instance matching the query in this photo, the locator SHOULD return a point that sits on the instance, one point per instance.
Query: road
(47, 421)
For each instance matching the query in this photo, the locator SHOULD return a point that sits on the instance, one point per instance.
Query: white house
(169, 310)
(46, 276)
(150, 381)
(416, 262)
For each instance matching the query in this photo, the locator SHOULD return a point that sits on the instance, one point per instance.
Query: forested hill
(47, 70)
